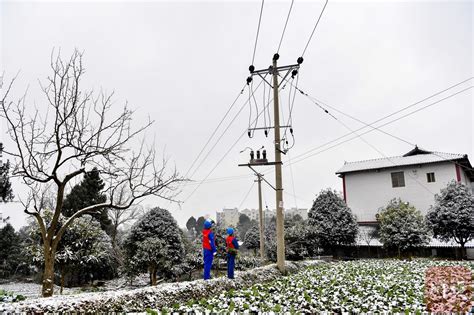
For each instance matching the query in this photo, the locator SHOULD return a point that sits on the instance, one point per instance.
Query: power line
(223, 133)
(225, 155)
(284, 28)
(219, 179)
(314, 29)
(214, 132)
(389, 134)
(258, 31)
(370, 145)
(384, 117)
(385, 124)
(246, 195)
(292, 179)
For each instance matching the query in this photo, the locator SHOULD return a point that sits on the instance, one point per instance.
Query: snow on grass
(360, 286)
(160, 297)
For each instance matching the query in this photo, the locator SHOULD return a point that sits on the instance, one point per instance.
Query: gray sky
(183, 63)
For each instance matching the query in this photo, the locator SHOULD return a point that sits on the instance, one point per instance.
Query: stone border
(165, 295)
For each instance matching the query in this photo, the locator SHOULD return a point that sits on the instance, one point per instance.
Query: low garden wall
(165, 295)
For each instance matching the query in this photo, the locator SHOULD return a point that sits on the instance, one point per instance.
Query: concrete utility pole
(278, 178)
(274, 72)
(260, 212)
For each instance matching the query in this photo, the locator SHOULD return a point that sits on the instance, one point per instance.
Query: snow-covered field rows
(359, 286)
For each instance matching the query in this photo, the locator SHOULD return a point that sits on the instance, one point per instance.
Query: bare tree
(79, 131)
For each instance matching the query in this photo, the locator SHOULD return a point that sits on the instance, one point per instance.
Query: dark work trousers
(208, 257)
(230, 266)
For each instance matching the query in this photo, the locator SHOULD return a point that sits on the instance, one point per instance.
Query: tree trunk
(114, 237)
(63, 275)
(153, 276)
(463, 251)
(48, 273)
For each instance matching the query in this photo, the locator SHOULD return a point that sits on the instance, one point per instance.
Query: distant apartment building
(228, 216)
(231, 216)
(291, 213)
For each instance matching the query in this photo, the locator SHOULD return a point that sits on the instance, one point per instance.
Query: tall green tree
(6, 192)
(331, 222)
(88, 192)
(200, 225)
(452, 216)
(191, 225)
(402, 226)
(243, 225)
(155, 244)
(10, 251)
(252, 239)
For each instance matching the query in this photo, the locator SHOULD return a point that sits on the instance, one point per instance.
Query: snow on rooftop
(423, 158)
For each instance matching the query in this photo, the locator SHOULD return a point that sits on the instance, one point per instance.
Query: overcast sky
(183, 63)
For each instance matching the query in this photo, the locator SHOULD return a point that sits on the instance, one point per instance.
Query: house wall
(367, 191)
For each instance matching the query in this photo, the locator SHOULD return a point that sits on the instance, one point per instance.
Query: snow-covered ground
(32, 290)
(138, 300)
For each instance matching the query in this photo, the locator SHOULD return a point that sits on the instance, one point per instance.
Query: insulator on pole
(276, 56)
(258, 154)
(294, 73)
(300, 60)
(266, 133)
(249, 79)
(264, 154)
(291, 130)
(252, 155)
(249, 133)
(251, 68)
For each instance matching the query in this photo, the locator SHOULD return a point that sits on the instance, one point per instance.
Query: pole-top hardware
(300, 60)
(294, 73)
(276, 56)
(251, 68)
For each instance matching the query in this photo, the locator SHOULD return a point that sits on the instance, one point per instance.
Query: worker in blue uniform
(208, 247)
(232, 246)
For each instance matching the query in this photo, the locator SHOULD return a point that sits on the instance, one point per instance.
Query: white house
(414, 177)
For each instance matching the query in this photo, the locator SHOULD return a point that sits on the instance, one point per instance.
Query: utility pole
(278, 178)
(260, 212)
(274, 71)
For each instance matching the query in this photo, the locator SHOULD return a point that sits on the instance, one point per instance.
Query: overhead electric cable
(225, 155)
(386, 116)
(313, 99)
(215, 130)
(222, 134)
(314, 29)
(284, 28)
(368, 143)
(258, 31)
(246, 195)
(303, 156)
(292, 179)
(385, 124)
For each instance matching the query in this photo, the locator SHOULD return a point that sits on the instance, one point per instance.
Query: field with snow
(359, 286)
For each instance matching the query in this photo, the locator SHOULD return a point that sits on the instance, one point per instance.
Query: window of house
(398, 179)
(430, 177)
